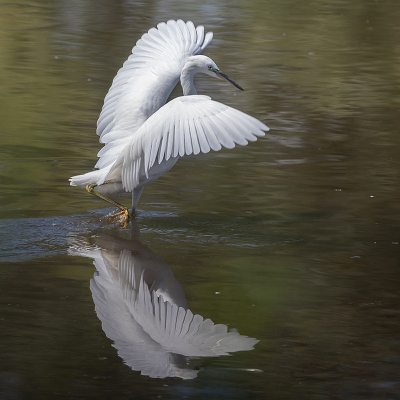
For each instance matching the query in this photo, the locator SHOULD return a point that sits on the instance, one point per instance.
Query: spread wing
(186, 125)
(148, 76)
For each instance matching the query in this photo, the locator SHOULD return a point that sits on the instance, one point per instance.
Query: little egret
(143, 136)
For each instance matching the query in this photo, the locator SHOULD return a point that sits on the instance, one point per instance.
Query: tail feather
(88, 178)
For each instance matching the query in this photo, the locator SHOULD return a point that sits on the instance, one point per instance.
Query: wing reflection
(143, 309)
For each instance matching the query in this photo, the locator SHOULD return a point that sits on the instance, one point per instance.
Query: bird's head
(207, 66)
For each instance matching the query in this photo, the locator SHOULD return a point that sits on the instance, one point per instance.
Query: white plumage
(143, 137)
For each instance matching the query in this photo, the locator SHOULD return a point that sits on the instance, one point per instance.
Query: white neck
(187, 76)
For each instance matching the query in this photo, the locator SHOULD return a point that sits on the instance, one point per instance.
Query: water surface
(292, 240)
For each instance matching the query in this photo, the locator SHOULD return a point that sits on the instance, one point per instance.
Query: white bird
(143, 136)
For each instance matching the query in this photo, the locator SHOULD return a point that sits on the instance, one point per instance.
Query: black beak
(226, 77)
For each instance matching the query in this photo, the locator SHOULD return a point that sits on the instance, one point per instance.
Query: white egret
(143, 137)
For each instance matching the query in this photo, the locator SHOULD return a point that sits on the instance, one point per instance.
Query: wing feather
(162, 150)
(223, 137)
(184, 31)
(199, 34)
(238, 136)
(201, 136)
(192, 32)
(180, 137)
(187, 137)
(193, 137)
(246, 124)
(154, 152)
(211, 137)
(170, 135)
(186, 125)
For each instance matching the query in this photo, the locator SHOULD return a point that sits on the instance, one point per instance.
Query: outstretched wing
(186, 125)
(148, 76)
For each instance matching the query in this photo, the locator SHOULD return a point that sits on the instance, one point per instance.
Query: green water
(293, 240)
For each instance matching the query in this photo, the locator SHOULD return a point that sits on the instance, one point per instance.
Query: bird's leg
(124, 211)
(136, 193)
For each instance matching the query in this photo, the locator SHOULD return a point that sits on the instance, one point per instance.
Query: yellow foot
(122, 212)
(90, 188)
(125, 217)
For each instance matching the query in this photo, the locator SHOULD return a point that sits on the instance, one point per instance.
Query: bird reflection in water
(143, 309)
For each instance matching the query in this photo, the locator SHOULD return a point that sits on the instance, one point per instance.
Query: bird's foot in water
(125, 216)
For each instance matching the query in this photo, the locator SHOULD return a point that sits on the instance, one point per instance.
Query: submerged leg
(124, 211)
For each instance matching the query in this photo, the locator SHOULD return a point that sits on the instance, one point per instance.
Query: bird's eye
(210, 67)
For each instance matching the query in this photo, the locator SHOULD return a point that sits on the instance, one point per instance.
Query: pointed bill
(226, 77)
